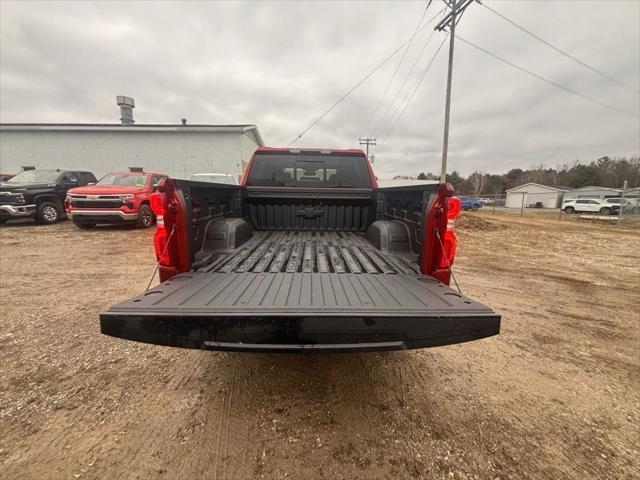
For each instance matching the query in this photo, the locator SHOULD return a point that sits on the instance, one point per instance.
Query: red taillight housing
(161, 236)
(450, 239)
(439, 238)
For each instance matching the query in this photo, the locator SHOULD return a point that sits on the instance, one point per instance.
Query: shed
(593, 192)
(632, 192)
(535, 195)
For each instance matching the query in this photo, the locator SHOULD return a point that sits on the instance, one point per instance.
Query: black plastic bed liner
(308, 252)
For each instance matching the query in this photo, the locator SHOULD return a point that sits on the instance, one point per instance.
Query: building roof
(117, 127)
(558, 188)
(593, 187)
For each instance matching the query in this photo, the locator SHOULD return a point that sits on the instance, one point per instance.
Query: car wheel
(474, 208)
(569, 210)
(145, 216)
(605, 211)
(3, 220)
(47, 213)
(84, 226)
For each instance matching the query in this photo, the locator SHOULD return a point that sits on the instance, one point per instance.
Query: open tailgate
(300, 312)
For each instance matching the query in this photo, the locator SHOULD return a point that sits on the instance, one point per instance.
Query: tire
(474, 208)
(569, 210)
(605, 211)
(145, 216)
(84, 226)
(3, 220)
(47, 213)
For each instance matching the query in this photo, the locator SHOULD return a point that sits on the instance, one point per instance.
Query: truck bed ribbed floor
(308, 252)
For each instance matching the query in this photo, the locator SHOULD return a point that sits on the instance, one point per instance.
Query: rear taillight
(157, 201)
(450, 238)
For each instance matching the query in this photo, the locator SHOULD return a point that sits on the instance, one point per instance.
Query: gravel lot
(556, 395)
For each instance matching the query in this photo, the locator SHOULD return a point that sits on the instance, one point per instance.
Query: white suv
(591, 205)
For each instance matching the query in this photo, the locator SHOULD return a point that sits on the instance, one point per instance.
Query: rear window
(312, 171)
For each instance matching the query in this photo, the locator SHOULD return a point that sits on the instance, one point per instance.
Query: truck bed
(295, 291)
(308, 252)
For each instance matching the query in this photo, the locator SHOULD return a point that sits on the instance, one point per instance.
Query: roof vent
(27, 167)
(184, 121)
(126, 104)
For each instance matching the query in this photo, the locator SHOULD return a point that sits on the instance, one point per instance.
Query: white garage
(535, 195)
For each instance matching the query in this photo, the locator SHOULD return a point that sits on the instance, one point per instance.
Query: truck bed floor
(308, 252)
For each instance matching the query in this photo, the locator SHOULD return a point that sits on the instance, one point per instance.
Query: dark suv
(39, 194)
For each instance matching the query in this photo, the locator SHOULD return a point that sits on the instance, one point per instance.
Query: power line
(395, 72)
(412, 93)
(364, 79)
(546, 80)
(559, 50)
(384, 120)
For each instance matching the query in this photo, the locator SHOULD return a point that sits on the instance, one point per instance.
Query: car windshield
(213, 178)
(328, 171)
(126, 180)
(35, 176)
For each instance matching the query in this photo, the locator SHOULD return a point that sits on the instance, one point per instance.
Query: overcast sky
(282, 64)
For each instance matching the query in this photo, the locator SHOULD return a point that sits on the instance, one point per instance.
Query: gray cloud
(281, 64)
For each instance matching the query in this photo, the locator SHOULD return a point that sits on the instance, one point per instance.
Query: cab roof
(323, 151)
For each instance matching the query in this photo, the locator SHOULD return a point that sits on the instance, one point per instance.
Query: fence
(552, 205)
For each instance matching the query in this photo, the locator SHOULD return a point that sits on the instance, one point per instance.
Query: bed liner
(307, 252)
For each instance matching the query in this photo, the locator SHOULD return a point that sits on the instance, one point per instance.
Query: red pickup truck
(308, 253)
(116, 198)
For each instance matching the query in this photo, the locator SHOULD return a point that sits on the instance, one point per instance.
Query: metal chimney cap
(125, 101)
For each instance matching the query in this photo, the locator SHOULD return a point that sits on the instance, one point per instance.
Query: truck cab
(118, 198)
(308, 253)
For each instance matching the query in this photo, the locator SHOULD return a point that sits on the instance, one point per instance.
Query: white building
(633, 192)
(534, 195)
(178, 150)
(593, 192)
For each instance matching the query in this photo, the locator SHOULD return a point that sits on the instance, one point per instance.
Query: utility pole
(367, 141)
(624, 192)
(457, 9)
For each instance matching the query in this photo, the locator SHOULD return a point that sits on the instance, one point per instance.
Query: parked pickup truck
(119, 198)
(469, 203)
(306, 254)
(39, 194)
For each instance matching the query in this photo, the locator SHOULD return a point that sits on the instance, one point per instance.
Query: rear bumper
(102, 216)
(311, 333)
(17, 211)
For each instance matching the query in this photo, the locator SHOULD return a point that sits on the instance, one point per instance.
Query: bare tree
(477, 181)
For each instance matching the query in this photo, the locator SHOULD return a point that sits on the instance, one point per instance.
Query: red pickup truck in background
(118, 198)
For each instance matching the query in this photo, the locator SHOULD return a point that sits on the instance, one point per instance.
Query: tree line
(604, 172)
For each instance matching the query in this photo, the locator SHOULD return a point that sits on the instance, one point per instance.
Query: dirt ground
(556, 395)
